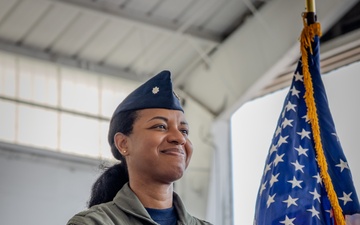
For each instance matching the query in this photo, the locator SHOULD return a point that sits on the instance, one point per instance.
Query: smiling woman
(159, 140)
(148, 134)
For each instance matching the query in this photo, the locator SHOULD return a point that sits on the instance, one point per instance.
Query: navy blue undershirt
(163, 216)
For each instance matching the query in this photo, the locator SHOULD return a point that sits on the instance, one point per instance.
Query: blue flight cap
(157, 92)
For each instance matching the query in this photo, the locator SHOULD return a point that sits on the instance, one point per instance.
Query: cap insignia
(155, 90)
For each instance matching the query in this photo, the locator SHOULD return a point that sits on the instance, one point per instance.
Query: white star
(346, 198)
(273, 149)
(270, 200)
(274, 179)
(316, 195)
(298, 77)
(286, 123)
(314, 212)
(343, 165)
(302, 151)
(304, 133)
(278, 159)
(290, 106)
(267, 168)
(155, 90)
(298, 166)
(288, 221)
(295, 183)
(278, 131)
(282, 140)
(318, 178)
(263, 187)
(294, 92)
(306, 117)
(291, 201)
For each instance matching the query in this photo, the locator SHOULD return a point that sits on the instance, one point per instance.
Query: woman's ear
(120, 141)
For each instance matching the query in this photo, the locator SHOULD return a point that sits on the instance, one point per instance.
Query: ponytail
(115, 177)
(108, 184)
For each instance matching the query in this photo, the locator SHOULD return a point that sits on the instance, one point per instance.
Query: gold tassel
(307, 36)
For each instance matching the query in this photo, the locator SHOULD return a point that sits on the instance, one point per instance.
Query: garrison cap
(157, 92)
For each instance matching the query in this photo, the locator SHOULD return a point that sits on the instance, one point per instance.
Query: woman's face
(158, 148)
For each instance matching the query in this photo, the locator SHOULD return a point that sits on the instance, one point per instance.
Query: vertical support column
(220, 209)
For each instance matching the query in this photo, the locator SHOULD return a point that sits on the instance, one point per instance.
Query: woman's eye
(186, 132)
(160, 126)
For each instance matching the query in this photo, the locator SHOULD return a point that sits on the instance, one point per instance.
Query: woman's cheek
(189, 151)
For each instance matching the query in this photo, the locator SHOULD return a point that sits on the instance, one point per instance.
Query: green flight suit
(126, 209)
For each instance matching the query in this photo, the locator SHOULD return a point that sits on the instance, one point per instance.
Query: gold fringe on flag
(307, 36)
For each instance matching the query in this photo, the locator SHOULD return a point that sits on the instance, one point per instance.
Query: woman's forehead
(169, 114)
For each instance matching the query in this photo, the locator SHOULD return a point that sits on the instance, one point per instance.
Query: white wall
(39, 187)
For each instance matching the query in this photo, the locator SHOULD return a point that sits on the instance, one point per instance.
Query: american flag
(292, 191)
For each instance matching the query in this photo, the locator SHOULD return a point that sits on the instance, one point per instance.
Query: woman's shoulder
(96, 215)
(87, 217)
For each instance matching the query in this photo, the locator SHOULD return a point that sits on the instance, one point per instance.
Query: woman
(149, 135)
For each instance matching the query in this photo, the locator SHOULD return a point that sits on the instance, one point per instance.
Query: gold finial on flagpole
(310, 5)
(310, 11)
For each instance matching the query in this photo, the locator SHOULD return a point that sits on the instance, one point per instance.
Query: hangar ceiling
(131, 38)
(135, 39)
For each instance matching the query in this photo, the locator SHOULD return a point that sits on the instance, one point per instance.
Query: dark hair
(113, 178)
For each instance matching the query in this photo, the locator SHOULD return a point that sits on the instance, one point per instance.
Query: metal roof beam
(143, 20)
(67, 61)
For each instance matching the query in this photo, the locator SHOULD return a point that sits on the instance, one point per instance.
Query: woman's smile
(174, 152)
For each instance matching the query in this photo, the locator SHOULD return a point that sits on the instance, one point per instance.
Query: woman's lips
(173, 151)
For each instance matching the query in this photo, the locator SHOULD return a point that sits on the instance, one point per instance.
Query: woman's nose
(176, 136)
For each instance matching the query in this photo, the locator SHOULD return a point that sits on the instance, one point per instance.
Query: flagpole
(310, 11)
(306, 39)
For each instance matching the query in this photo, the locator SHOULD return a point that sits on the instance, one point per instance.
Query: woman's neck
(155, 196)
